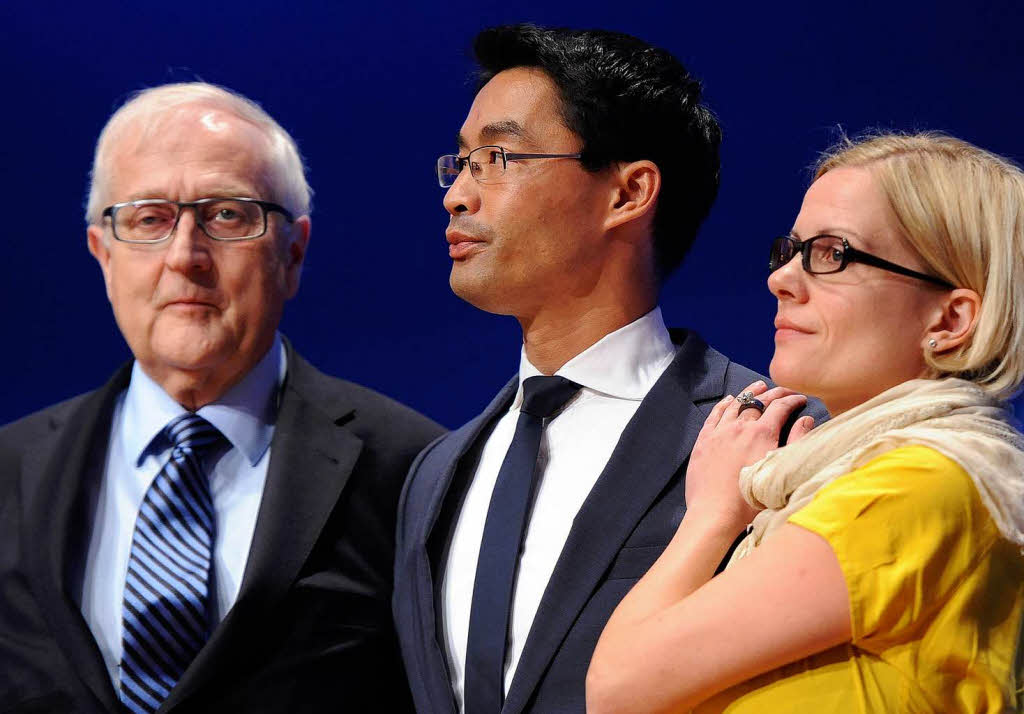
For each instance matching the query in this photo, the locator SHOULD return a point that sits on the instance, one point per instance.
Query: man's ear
(100, 250)
(954, 321)
(635, 190)
(295, 253)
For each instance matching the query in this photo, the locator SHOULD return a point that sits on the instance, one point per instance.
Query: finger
(756, 389)
(775, 393)
(801, 429)
(716, 414)
(753, 413)
(749, 412)
(780, 409)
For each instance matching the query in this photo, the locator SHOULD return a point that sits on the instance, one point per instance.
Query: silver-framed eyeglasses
(153, 220)
(824, 254)
(486, 163)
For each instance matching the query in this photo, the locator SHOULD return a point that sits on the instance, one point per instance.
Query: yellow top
(936, 598)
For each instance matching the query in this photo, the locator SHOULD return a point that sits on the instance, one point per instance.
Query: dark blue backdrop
(353, 81)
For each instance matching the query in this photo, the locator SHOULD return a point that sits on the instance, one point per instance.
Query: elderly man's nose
(188, 247)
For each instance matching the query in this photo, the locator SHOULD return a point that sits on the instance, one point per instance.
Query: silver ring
(747, 400)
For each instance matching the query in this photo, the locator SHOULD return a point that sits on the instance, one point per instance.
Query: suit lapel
(60, 478)
(436, 533)
(461, 442)
(311, 460)
(653, 447)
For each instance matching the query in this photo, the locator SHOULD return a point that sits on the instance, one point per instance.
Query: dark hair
(627, 101)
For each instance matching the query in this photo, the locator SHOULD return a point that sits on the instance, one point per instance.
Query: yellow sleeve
(906, 527)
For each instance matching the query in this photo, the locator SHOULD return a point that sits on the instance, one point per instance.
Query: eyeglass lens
(145, 222)
(485, 163)
(821, 254)
(782, 252)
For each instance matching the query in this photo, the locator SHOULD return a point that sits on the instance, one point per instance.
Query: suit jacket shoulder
(379, 421)
(17, 434)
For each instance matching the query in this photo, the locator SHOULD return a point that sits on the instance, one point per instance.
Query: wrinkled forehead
(188, 134)
(180, 128)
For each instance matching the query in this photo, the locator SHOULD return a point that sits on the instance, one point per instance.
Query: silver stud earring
(932, 344)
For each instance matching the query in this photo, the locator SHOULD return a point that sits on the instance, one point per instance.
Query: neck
(195, 388)
(191, 390)
(554, 336)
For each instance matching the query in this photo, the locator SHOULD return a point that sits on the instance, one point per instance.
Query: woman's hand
(694, 628)
(728, 441)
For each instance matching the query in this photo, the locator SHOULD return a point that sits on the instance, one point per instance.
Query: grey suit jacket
(625, 523)
(311, 627)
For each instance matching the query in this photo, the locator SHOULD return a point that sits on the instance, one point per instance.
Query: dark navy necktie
(167, 598)
(502, 542)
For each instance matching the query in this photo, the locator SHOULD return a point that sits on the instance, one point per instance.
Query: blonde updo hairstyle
(961, 209)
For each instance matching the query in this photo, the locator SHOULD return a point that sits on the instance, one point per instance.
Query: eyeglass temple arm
(511, 156)
(869, 259)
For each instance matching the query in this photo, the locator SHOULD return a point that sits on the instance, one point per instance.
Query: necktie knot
(191, 432)
(543, 396)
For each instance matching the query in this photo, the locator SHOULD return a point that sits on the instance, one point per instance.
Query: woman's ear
(954, 322)
(635, 192)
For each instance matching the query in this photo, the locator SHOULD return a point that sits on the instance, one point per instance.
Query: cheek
(549, 228)
(868, 341)
(255, 283)
(133, 282)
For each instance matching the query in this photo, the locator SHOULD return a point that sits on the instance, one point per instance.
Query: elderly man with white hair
(212, 530)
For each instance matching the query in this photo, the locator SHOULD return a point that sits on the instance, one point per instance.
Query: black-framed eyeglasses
(823, 254)
(486, 163)
(153, 220)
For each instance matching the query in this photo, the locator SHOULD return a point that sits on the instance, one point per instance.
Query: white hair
(148, 108)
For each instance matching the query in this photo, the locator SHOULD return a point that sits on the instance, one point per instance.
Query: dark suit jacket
(625, 523)
(311, 628)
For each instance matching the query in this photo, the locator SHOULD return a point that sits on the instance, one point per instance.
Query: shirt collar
(624, 364)
(245, 414)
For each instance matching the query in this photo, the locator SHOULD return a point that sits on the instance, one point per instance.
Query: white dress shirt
(245, 416)
(616, 373)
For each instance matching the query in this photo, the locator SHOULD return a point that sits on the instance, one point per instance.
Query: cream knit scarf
(954, 417)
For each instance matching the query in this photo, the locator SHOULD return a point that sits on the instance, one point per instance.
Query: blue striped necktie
(167, 599)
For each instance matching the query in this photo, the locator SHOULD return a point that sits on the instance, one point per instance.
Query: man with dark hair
(585, 167)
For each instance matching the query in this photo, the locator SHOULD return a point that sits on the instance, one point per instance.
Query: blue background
(362, 85)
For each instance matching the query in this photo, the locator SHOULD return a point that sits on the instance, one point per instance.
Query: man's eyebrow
(502, 129)
(495, 131)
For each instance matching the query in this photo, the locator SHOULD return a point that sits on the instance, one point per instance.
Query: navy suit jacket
(625, 523)
(311, 628)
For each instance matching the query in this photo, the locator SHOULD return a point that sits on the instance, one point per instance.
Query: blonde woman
(883, 569)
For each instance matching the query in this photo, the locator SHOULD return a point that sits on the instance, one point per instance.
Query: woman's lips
(786, 333)
(784, 329)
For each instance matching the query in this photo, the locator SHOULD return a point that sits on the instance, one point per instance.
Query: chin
(191, 350)
(479, 291)
(786, 373)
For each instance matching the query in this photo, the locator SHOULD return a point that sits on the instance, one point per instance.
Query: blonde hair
(148, 108)
(961, 209)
